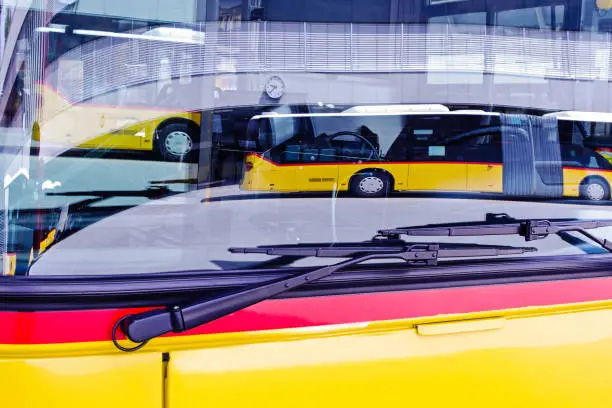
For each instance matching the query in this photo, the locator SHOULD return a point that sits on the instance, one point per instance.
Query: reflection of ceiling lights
(176, 33)
(50, 185)
(167, 34)
(436, 2)
(52, 28)
(98, 33)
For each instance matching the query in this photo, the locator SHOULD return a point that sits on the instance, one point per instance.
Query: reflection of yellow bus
(171, 133)
(373, 153)
(592, 129)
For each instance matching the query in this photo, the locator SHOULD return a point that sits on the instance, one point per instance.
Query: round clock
(275, 87)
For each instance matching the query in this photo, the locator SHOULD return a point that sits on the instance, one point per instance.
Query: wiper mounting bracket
(540, 229)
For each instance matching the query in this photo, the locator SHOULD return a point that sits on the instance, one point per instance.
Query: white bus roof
(351, 114)
(390, 110)
(582, 116)
(397, 108)
(479, 111)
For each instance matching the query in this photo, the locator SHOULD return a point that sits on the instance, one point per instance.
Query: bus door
(431, 164)
(483, 156)
(315, 167)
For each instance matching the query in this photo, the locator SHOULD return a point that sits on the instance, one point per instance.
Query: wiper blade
(142, 327)
(530, 229)
(418, 252)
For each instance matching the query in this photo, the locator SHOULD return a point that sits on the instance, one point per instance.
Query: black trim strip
(97, 292)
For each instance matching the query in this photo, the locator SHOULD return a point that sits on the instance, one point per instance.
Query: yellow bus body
(555, 356)
(264, 175)
(87, 126)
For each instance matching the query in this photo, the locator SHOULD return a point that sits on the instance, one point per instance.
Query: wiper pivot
(142, 327)
(539, 229)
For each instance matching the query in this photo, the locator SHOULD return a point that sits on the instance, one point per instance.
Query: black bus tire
(178, 142)
(594, 189)
(371, 184)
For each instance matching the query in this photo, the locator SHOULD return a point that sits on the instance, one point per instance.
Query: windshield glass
(143, 136)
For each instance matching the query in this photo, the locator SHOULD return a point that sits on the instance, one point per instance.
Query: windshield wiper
(420, 252)
(142, 327)
(494, 224)
(502, 224)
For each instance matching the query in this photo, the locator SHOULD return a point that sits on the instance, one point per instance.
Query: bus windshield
(151, 137)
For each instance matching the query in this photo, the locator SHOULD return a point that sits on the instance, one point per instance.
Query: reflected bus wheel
(177, 142)
(371, 185)
(595, 189)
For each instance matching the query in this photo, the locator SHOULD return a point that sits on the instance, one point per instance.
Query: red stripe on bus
(52, 327)
(368, 163)
(590, 170)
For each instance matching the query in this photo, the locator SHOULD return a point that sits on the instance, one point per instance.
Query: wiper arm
(142, 327)
(530, 229)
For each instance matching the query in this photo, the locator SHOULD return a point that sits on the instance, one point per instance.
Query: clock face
(275, 87)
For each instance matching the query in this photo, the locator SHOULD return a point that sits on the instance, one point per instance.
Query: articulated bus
(371, 152)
